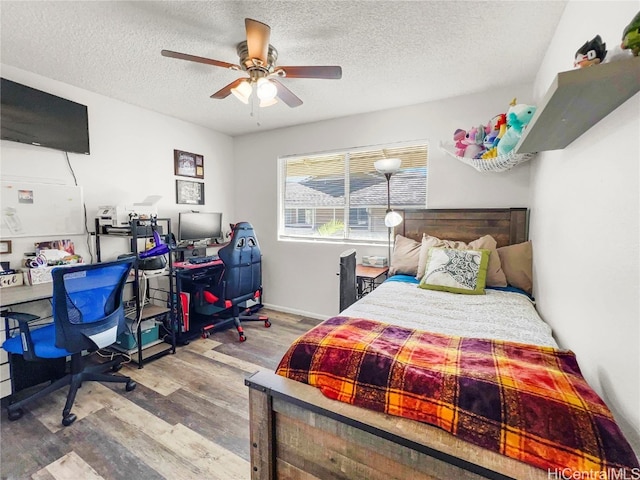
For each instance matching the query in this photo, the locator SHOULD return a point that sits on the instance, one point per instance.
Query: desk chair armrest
(23, 320)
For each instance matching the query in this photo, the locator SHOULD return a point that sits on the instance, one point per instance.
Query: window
(340, 196)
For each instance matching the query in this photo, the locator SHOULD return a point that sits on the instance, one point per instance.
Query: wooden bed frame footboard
(297, 433)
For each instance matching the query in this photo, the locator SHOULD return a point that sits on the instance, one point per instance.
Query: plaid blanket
(527, 402)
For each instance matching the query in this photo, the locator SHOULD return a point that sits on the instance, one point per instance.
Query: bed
(298, 432)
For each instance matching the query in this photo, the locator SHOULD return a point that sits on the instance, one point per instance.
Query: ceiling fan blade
(224, 92)
(193, 58)
(286, 95)
(258, 35)
(329, 72)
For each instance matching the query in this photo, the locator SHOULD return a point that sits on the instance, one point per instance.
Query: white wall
(585, 212)
(301, 277)
(131, 158)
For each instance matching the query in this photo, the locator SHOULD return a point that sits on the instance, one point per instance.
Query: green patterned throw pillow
(457, 271)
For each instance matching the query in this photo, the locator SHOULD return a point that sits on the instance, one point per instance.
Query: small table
(367, 277)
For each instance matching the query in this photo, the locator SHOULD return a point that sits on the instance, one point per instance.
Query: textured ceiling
(393, 53)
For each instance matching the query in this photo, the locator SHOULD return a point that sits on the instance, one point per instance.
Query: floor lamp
(389, 166)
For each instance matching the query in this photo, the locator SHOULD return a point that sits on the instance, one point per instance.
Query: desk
(29, 293)
(191, 278)
(367, 278)
(27, 374)
(25, 293)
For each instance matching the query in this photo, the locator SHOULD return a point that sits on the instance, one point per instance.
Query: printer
(120, 216)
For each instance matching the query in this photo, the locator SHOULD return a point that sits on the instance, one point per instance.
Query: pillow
(517, 261)
(455, 270)
(404, 259)
(428, 242)
(495, 275)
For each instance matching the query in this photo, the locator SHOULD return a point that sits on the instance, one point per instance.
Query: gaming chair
(241, 279)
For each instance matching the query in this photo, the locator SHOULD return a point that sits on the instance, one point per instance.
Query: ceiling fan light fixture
(243, 92)
(268, 103)
(266, 90)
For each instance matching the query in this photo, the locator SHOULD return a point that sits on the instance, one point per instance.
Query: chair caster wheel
(69, 419)
(267, 324)
(131, 385)
(243, 338)
(116, 368)
(15, 414)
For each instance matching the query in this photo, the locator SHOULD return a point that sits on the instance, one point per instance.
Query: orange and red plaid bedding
(527, 402)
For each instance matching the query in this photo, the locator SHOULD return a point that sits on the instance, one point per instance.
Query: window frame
(347, 207)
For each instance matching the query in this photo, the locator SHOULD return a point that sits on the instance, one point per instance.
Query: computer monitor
(196, 227)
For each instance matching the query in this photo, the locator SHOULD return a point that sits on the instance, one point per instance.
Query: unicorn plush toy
(518, 117)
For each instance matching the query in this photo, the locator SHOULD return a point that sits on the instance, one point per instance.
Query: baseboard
(304, 313)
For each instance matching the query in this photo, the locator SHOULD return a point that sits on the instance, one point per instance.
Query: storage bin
(127, 339)
(10, 280)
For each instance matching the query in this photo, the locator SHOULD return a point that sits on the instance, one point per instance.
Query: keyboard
(199, 260)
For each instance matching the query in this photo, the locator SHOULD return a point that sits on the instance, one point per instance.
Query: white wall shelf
(576, 101)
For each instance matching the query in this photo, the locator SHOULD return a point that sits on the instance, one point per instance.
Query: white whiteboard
(33, 209)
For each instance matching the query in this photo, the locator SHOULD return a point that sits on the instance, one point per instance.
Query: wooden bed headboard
(507, 225)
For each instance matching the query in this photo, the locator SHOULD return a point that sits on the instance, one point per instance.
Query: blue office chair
(241, 279)
(88, 315)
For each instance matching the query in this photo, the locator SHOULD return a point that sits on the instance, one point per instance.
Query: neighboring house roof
(301, 196)
(407, 188)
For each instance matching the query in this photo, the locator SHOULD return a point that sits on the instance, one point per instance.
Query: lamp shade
(242, 92)
(268, 103)
(266, 89)
(392, 219)
(387, 165)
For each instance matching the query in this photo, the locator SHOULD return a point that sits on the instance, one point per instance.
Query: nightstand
(367, 278)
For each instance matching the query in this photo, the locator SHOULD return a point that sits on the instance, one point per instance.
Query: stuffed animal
(501, 132)
(473, 141)
(489, 139)
(591, 53)
(491, 153)
(518, 116)
(631, 36)
(458, 136)
(493, 130)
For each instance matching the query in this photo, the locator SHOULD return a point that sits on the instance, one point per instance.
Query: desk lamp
(389, 166)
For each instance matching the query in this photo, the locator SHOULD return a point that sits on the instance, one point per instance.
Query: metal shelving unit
(166, 343)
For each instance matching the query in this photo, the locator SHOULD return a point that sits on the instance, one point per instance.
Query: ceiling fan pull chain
(253, 110)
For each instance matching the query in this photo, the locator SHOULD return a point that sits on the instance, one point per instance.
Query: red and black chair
(241, 280)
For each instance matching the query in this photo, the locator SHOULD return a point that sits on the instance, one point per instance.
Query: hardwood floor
(187, 418)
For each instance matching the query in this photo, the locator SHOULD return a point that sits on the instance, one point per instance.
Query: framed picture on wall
(188, 164)
(190, 193)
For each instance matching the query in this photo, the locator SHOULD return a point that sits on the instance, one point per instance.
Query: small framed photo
(188, 164)
(190, 193)
(5, 246)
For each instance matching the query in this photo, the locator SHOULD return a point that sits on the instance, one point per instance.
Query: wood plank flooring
(187, 418)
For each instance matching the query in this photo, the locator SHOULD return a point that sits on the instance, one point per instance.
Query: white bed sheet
(498, 315)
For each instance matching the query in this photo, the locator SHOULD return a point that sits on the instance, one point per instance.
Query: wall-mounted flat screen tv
(38, 118)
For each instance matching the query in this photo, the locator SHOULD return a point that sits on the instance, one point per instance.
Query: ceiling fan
(258, 60)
